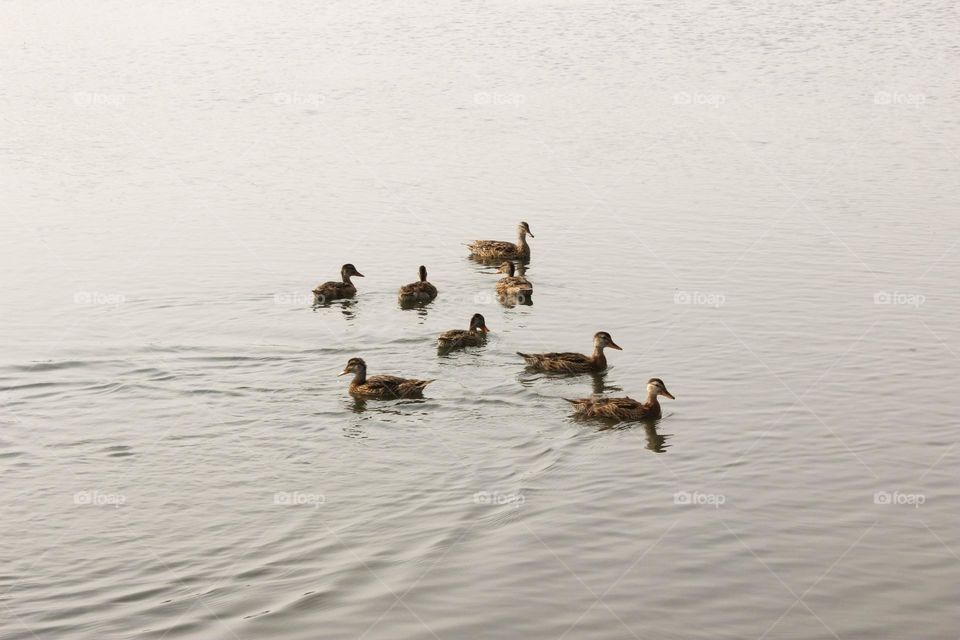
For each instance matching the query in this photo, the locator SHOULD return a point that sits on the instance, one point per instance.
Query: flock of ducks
(514, 285)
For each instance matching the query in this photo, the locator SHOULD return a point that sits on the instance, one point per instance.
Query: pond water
(757, 201)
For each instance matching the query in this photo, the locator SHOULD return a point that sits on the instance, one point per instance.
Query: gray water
(757, 200)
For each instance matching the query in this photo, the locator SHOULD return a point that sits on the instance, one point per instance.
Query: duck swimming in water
(513, 285)
(336, 290)
(493, 249)
(459, 338)
(573, 362)
(381, 387)
(624, 408)
(418, 292)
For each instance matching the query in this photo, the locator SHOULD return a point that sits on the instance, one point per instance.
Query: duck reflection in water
(600, 386)
(347, 307)
(359, 404)
(655, 441)
(354, 432)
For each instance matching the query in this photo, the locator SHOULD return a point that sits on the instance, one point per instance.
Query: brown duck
(490, 249)
(624, 408)
(513, 285)
(573, 362)
(459, 338)
(417, 292)
(335, 290)
(382, 387)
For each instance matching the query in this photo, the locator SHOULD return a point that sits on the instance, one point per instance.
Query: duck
(336, 290)
(624, 408)
(513, 285)
(459, 338)
(573, 362)
(421, 291)
(492, 249)
(382, 387)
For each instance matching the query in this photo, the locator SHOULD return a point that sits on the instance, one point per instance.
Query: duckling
(336, 290)
(573, 362)
(382, 387)
(624, 408)
(490, 249)
(421, 291)
(513, 285)
(472, 337)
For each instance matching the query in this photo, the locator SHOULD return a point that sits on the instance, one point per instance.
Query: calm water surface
(758, 201)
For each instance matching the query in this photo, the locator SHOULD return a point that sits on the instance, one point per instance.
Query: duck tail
(572, 401)
(525, 356)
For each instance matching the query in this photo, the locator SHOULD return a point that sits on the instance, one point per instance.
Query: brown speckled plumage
(381, 387)
(336, 290)
(459, 338)
(513, 285)
(623, 408)
(573, 362)
(496, 249)
(418, 292)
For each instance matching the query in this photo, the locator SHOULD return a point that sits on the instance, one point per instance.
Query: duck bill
(668, 394)
(343, 373)
(358, 274)
(614, 345)
(484, 328)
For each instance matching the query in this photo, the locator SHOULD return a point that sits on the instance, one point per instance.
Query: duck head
(356, 366)
(508, 268)
(602, 339)
(348, 270)
(524, 229)
(477, 323)
(655, 387)
(423, 273)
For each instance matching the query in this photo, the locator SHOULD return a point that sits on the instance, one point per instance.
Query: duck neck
(423, 274)
(360, 376)
(652, 400)
(598, 357)
(345, 275)
(522, 240)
